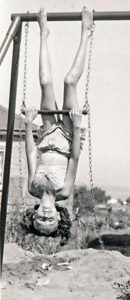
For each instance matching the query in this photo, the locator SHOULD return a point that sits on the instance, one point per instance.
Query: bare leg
(48, 97)
(71, 79)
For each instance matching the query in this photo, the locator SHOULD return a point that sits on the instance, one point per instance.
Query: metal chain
(20, 156)
(23, 106)
(25, 65)
(87, 107)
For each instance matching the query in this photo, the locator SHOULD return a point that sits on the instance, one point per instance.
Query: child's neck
(47, 199)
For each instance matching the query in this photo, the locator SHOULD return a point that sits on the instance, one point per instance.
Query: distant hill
(122, 192)
(117, 192)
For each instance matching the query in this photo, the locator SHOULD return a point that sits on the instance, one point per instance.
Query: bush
(82, 198)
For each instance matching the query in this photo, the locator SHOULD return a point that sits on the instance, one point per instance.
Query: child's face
(46, 217)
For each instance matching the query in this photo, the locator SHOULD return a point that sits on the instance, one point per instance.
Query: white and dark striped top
(56, 139)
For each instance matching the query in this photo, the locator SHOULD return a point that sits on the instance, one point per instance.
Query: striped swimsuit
(56, 141)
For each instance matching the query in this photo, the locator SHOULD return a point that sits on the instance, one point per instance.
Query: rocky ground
(38, 267)
(72, 274)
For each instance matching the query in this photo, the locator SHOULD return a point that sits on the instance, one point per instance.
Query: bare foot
(87, 19)
(42, 20)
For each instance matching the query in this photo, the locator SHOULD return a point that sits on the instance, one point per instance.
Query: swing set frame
(14, 33)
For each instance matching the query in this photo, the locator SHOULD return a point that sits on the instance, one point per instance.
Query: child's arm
(30, 115)
(76, 116)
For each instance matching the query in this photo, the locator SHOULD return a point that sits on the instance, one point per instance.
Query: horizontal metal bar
(76, 16)
(112, 16)
(56, 112)
(50, 16)
(9, 37)
(16, 130)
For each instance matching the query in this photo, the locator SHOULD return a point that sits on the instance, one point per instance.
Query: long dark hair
(63, 229)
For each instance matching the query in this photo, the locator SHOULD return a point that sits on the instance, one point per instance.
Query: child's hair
(63, 229)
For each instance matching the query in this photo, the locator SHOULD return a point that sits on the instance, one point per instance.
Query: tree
(82, 197)
(100, 196)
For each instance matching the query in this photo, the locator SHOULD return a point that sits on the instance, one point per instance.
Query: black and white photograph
(65, 149)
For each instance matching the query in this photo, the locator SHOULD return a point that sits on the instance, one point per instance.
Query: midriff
(53, 158)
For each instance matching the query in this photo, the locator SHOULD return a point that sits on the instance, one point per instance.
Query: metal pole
(56, 112)
(9, 138)
(9, 36)
(76, 16)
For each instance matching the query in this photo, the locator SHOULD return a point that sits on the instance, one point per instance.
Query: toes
(43, 11)
(84, 8)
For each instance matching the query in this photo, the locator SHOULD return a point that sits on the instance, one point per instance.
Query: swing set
(14, 33)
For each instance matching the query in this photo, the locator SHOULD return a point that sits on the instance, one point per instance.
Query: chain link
(87, 107)
(20, 156)
(20, 115)
(25, 65)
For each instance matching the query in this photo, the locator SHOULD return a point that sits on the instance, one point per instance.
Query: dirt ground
(72, 275)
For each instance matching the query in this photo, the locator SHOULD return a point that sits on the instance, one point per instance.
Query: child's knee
(45, 81)
(70, 79)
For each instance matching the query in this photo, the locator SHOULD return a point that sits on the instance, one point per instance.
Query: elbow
(67, 190)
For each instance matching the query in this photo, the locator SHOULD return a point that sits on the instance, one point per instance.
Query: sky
(109, 88)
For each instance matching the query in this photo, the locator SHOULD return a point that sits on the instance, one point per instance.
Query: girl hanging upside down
(52, 178)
